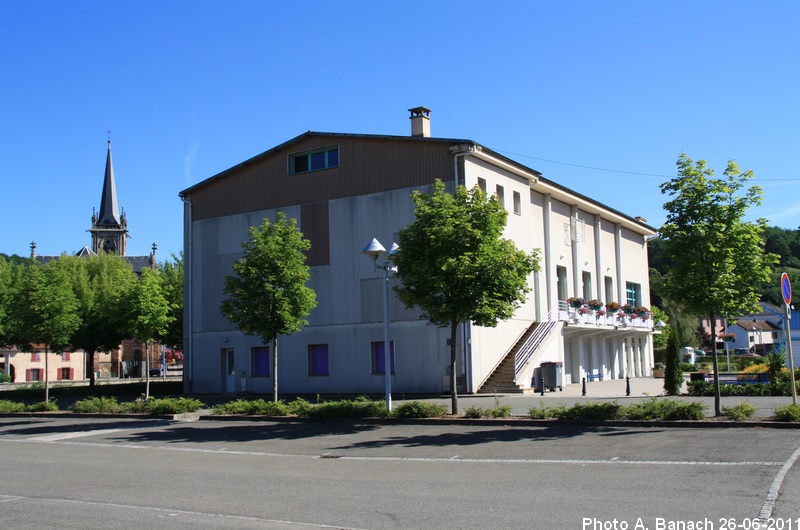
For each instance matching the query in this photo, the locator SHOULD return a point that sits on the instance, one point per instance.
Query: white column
(549, 263)
(582, 359)
(576, 269)
(618, 257)
(598, 261)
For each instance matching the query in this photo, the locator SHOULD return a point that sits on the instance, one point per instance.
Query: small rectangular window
(610, 290)
(482, 184)
(587, 285)
(501, 195)
(379, 358)
(259, 361)
(318, 363)
(314, 160)
(517, 203)
(66, 374)
(633, 293)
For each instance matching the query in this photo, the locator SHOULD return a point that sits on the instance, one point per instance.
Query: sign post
(786, 291)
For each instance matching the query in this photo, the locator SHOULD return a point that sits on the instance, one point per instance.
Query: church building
(109, 234)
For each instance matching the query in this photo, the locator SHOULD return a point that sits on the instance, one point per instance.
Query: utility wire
(626, 172)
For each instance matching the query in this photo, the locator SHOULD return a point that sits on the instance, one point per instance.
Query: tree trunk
(275, 369)
(46, 377)
(146, 371)
(717, 398)
(453, 389)
(90, 367)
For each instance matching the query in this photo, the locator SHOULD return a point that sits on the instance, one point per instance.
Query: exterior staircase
(501, 380)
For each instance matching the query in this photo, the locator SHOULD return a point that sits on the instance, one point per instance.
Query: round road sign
(786, 289)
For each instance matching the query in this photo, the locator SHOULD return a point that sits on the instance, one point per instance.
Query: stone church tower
(109, 226)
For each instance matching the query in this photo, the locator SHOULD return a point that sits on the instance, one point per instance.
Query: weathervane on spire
(109, 131)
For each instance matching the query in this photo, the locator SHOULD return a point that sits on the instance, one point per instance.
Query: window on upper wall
(610, 290)
(65, 374)
(314, 160)
(36, 357)
(501, 195)
(633, 293)
(561, 279)
(587, 285)
(318, 359)
(517, 203)
(33, 374)
(482, 184)
(379, 359)
(259, 361)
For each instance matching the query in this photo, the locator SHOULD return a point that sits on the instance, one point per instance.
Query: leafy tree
(101, 285)
(6, 275)
(45, 310)
(172, 276)
(148, 314)
(717, 258)
(660, 340)
(267, 295)
(455, 265)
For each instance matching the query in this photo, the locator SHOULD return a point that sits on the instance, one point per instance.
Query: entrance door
(228, 371)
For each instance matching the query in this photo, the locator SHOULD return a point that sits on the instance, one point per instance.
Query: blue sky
(600, 97)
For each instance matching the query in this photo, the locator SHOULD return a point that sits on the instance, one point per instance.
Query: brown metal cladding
(316, 228)
(366, 165)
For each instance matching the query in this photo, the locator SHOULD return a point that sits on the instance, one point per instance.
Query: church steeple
(109, 210)
(109, 226)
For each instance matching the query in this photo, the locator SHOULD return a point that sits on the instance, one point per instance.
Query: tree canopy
(267, 294)
(454, 264)
(717, 259)
(45, 310)
(148, 316)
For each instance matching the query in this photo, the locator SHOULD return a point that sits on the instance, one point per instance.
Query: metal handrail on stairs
(525, 352)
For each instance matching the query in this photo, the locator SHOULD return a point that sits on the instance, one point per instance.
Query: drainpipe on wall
(188, 309)
(463, 150)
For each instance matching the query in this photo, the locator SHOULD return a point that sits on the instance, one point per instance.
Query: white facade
(587, 250)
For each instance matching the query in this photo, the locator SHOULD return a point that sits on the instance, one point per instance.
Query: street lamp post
(374, 250)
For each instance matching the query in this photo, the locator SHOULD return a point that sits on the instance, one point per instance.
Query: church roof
(109, 210)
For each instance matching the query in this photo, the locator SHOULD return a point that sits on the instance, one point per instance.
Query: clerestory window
(314, 160)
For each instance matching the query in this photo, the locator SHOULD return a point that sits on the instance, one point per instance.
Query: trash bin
(551, 373)
(697, 377)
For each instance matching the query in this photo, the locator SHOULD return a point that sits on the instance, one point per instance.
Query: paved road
(120, 473)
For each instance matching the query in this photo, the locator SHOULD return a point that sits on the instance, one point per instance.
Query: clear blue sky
(193, 88)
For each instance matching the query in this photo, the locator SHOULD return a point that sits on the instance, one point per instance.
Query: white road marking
(76, 434)
(772, 495)
(173, 512)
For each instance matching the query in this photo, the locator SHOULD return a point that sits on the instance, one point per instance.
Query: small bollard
(584, 387)
(542, 384)
(627, 386)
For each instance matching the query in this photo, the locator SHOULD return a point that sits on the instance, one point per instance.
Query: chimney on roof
(420, 122)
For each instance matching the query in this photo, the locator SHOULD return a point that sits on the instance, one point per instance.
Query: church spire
(109, 210)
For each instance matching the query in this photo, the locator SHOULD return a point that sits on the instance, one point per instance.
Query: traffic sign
(786, 289)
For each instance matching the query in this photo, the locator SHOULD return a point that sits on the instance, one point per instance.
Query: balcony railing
(589, 317)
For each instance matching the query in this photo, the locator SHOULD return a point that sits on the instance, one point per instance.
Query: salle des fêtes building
(344, 190)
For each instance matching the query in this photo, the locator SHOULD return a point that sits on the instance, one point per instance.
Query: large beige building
(344, 190)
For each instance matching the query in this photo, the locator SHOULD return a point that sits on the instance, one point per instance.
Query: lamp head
(374, 249)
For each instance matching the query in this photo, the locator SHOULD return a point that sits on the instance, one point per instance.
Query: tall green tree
(717, 258)
(45, 311)
(101, 285)
(673, 375)
(171, 272)
(267, 294)
(6, 276)
(148, 314)
(454, 264)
